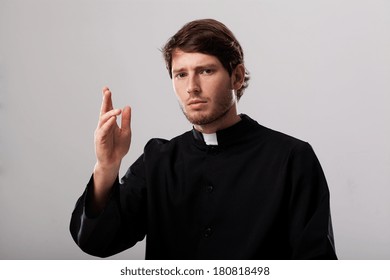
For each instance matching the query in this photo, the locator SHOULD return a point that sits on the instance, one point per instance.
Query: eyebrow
(181, 69)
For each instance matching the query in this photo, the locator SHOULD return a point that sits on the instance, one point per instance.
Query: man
(228, 189)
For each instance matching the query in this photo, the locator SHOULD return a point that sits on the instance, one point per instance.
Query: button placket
(207, 232)
(208, 190)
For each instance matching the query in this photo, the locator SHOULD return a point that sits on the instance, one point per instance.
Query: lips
(196, 101)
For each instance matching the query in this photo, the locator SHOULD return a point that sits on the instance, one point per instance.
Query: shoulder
(277, 144)
(279, 140)
(281, 137)
(294, 144)
(161, 145)
(297, 152)
(298, 155)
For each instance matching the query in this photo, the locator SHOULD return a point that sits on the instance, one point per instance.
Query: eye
(180, 75)
(207, 71)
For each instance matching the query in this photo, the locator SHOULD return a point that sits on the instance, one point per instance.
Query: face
(204, 88)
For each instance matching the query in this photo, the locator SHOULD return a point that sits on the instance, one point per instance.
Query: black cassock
(258, 194)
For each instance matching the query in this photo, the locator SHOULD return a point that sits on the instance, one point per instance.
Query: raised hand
(111, 144)
(111, 141)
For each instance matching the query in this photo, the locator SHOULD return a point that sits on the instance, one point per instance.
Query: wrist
(104, 177)
(107, 169)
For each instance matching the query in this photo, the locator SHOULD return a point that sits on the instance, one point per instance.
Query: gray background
(320, 72)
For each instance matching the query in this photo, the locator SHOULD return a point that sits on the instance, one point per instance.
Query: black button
(210, 189)
(213, 150)
(207, 232)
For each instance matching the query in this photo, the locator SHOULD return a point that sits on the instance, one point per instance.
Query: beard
(200, 117)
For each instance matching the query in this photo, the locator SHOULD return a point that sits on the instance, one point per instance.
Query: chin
(199, 118)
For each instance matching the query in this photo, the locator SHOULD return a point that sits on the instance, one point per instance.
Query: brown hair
(211, 37)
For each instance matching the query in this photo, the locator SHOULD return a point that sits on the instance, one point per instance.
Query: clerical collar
(227, 136)
(210, 139)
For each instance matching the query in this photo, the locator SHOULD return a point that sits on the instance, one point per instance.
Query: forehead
(181, 59)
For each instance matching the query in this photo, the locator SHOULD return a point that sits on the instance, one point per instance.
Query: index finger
(107, 101)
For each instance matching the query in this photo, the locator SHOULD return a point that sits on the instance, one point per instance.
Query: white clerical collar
(210, 139)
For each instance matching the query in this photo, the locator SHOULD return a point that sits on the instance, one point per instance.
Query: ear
(238, 77)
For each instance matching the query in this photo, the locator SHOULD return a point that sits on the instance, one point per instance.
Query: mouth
(194, 102)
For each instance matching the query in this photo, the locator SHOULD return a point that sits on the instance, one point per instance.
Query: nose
(193, 85)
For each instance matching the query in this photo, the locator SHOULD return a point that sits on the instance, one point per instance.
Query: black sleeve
(311, 233)
(121, 224)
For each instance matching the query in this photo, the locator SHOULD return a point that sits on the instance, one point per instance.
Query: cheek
(176, 88)
(180, 95)
(222, 88)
